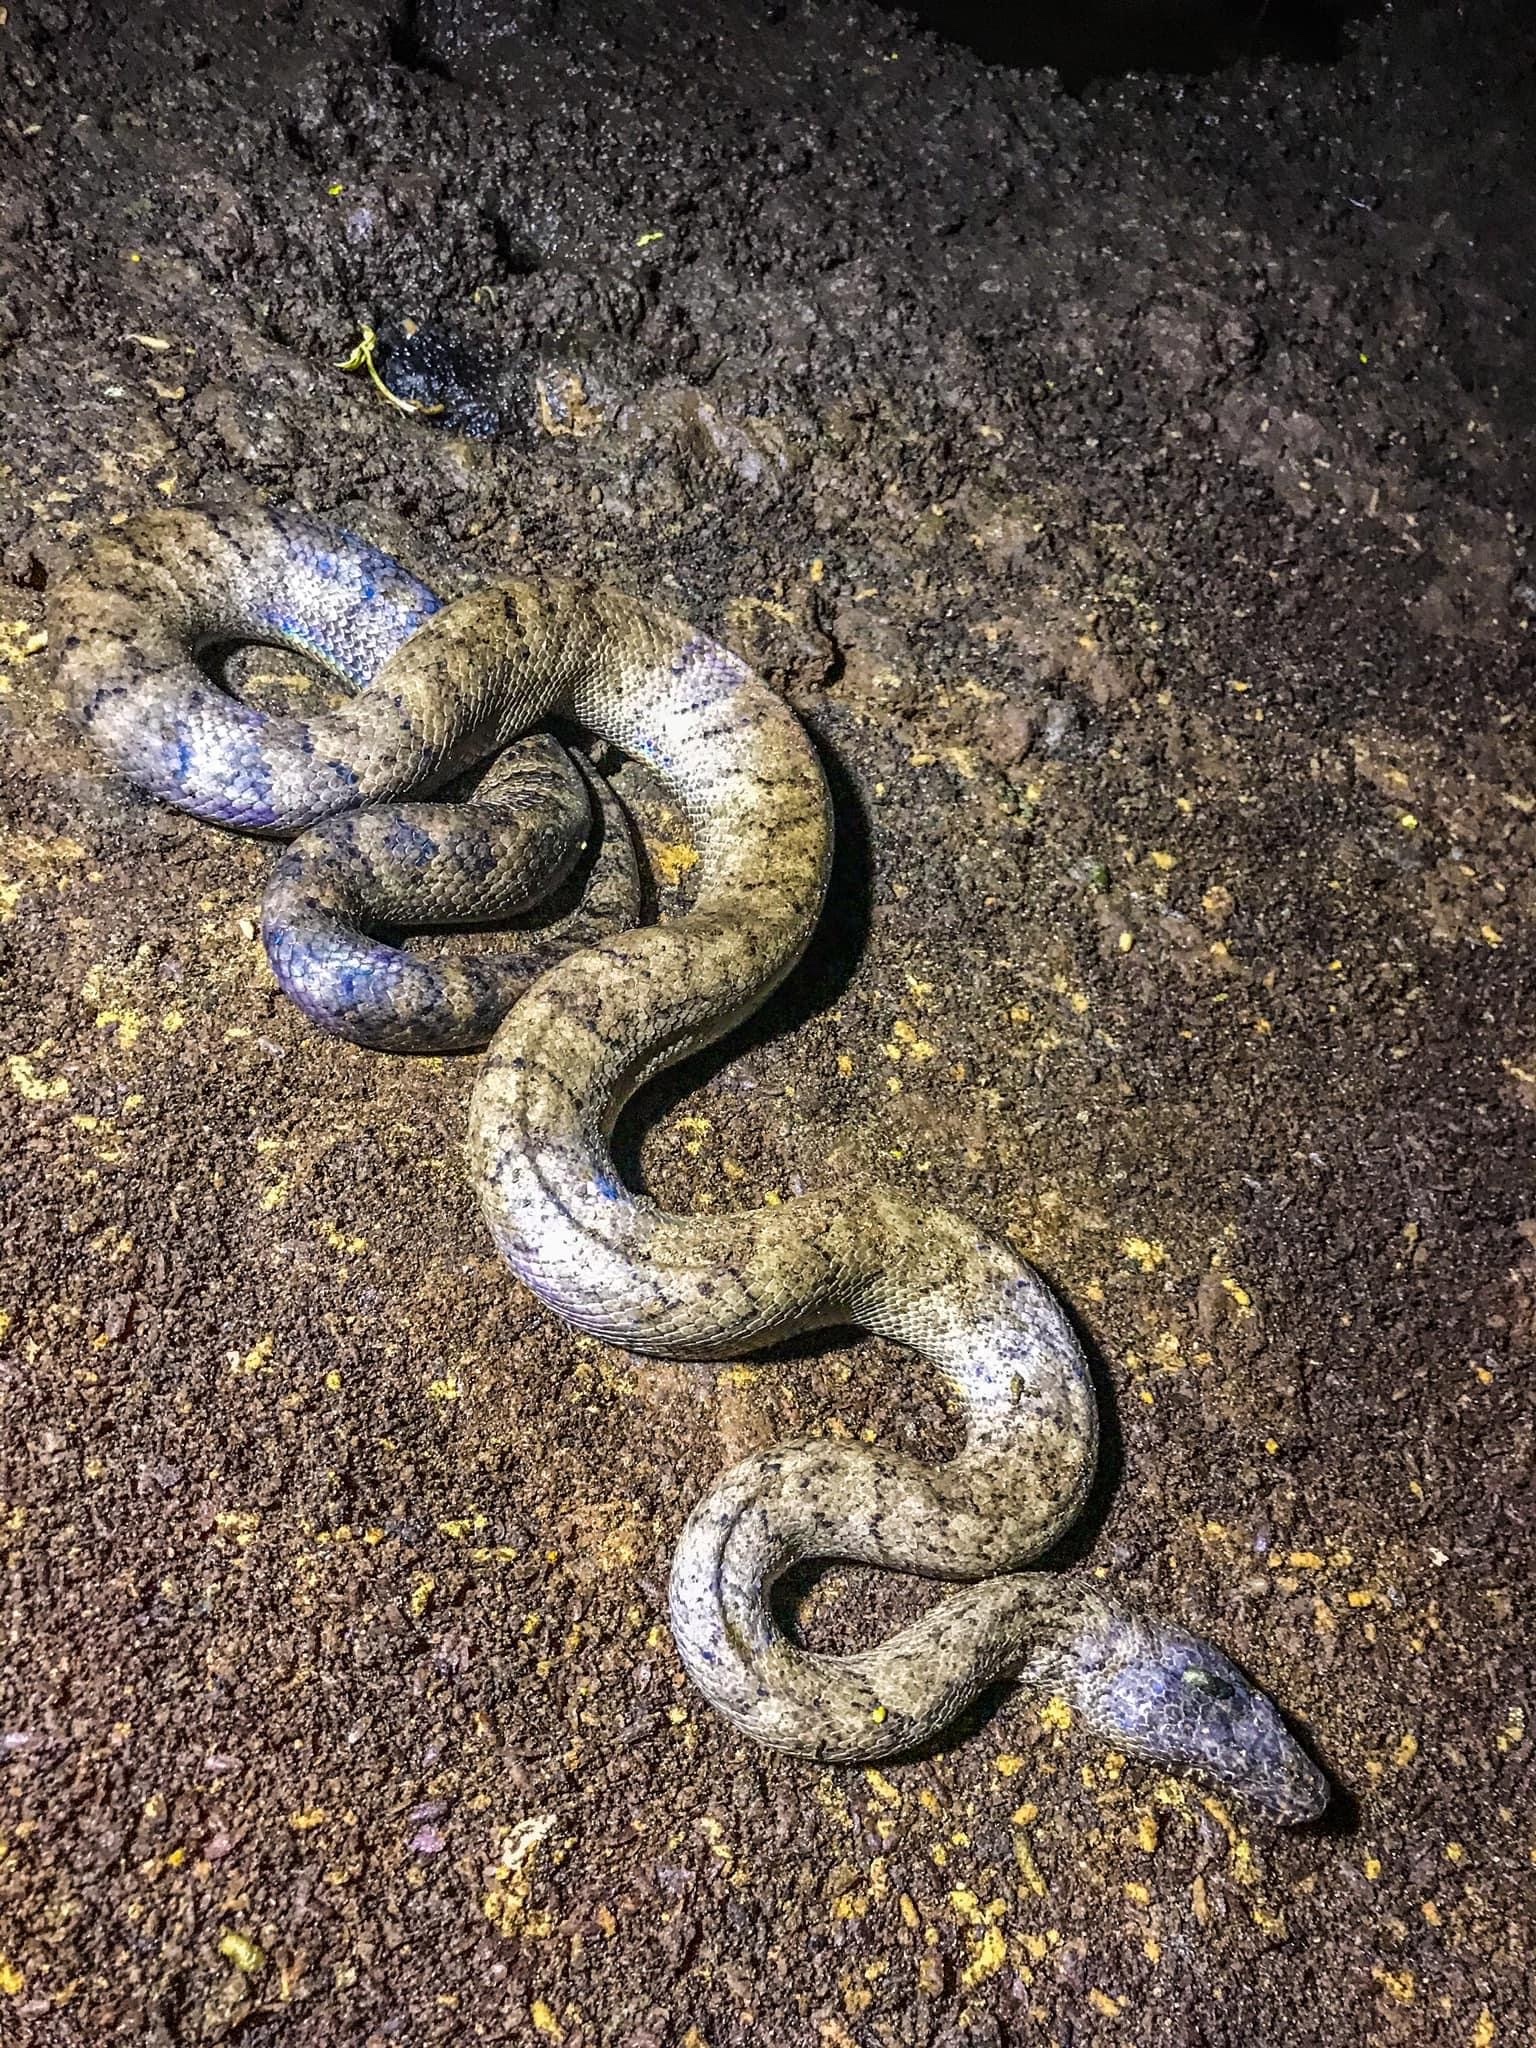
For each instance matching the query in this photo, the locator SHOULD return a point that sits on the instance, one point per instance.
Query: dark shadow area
(1341, 1818)
(1095, 39)
(1075, 1545)
(814, 986)
(440, 35)
(1108, 38)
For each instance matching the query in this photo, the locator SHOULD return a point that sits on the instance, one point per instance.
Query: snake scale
(572, 1033)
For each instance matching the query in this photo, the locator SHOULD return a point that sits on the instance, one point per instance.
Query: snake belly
(440, 688)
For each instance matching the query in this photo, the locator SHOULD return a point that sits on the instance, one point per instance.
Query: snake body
(438, 689)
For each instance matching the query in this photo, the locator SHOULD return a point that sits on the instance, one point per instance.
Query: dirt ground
(1132, 490)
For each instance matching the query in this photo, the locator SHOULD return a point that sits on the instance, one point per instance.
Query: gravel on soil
(1132, 489)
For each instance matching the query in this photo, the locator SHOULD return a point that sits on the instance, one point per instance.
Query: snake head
(1157, 1692)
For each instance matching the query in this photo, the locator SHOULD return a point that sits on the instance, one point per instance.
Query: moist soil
(1130, 488)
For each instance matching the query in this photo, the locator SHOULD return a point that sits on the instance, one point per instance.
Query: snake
(387, 829)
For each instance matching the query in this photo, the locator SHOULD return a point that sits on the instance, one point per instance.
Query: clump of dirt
(1132, 491)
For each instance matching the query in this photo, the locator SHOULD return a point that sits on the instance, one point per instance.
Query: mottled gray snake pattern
(386, 832)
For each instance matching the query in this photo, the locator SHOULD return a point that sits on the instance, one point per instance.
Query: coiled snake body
(438, 689)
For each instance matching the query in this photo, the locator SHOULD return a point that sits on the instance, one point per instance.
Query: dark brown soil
(1132, 490)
